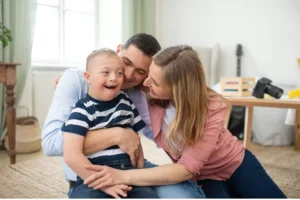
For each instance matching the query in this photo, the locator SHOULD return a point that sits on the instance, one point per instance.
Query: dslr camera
(263, 86)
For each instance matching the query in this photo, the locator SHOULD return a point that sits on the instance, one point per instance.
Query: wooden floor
(4, 158)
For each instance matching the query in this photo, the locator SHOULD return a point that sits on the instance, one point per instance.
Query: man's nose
(129, 73)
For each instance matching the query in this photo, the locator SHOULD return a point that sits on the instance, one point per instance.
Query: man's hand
(57, 79)
(104, 176)
(117, 190)
(129, 142)
(140, 161)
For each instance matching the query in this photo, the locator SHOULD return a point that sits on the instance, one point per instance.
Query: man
(136, 55)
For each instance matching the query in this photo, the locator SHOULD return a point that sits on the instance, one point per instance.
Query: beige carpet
(44, 178)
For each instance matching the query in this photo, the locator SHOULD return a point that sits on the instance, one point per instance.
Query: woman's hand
(104, 176)
(117, 190)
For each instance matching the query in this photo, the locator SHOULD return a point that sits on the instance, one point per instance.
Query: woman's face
(156, 83)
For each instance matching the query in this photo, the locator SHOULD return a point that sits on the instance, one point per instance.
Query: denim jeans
(80, 190)
(249, 180)
(185, 189)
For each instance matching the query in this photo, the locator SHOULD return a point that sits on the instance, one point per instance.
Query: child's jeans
(185, 189)
(80, 190)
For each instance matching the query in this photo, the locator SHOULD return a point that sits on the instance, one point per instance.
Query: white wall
(38, 92)
(269, 31)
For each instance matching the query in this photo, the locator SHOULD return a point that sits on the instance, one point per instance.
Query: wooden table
(250, 102)
(8, 78)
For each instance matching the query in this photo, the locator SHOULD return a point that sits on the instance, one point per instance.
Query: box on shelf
(237, 86)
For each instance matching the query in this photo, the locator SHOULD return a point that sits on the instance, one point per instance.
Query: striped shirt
(92, 114)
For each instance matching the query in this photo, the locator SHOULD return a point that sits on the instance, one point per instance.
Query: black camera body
(263, 86)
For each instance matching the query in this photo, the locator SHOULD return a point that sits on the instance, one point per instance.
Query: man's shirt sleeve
(67, 93)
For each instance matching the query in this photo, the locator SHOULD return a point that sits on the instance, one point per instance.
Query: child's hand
(117, 190)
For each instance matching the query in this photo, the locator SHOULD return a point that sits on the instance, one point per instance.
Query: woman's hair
(184, 74)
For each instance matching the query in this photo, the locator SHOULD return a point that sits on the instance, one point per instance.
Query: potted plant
(5, 35)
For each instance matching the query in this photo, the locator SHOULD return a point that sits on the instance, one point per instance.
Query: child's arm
(140, 162)
(73, 156)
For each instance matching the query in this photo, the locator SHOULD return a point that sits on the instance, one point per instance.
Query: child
(104, 106)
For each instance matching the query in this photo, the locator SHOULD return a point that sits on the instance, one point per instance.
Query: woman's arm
(160, 175)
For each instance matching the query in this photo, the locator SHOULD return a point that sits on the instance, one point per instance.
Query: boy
(104, 106)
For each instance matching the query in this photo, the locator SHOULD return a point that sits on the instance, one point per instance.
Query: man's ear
(87, 76)
(119, 47)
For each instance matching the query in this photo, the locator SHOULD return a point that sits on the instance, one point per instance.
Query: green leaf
(4, 42)
(5, 35)
(9, 38)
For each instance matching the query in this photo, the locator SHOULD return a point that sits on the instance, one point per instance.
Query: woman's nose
(146, 81)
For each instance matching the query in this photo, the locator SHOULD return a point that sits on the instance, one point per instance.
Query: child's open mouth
(111, 86)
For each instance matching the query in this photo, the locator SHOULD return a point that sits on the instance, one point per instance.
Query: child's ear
(87, 77)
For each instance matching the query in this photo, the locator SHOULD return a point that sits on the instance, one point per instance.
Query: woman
(188, 123)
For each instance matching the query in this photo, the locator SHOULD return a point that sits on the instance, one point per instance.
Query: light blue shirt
(71, 87)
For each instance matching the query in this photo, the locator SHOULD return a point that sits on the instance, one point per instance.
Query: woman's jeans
(249, 180)
(185, 189)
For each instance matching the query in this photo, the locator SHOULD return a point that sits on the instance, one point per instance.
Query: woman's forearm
(100, 139)
(161, 175)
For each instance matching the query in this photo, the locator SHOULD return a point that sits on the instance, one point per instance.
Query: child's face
(105, 77)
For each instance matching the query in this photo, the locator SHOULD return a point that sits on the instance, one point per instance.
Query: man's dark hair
(144, 42)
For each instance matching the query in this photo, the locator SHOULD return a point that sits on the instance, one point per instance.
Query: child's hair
(144, 42)
(184, 74)
(104, 51)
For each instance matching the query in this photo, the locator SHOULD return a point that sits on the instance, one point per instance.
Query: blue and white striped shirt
(92, 114)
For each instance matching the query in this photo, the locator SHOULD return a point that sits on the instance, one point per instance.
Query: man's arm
(67, 93)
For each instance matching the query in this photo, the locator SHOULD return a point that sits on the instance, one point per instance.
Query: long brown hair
(184, 74)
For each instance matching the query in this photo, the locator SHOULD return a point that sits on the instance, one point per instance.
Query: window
(66, 31)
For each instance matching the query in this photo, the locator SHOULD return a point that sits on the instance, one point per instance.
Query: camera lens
(274, 91)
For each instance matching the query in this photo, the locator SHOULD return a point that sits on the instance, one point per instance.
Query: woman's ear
(87, 77)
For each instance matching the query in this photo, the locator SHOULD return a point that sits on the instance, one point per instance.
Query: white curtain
(19, 17)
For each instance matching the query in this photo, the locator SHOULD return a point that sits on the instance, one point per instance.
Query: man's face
(136, 66)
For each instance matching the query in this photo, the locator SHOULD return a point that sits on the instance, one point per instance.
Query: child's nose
(112, 77)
